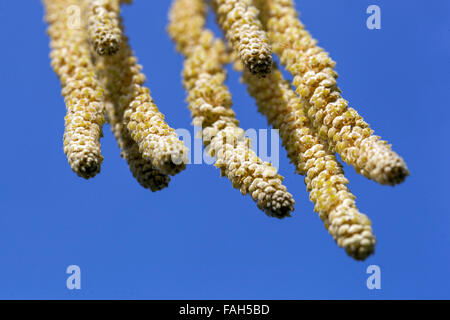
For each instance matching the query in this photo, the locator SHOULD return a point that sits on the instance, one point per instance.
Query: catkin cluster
(324, 176)
(142, 169)
(82, 92)
(315, 79)
(210, 105)
(151, 148)
(102, 80)
(156, 140)
(239, 20)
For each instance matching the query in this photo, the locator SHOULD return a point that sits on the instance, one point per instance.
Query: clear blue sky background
(200, 239)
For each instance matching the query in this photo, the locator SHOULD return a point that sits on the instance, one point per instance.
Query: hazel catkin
(83, 95)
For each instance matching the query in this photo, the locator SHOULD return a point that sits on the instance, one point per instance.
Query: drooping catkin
(240, 23)
(315, 80)
(103, 25)
(324, 176)
(210, 105)
(147, 176)
(82, 93)
(157, 141)
(142, 169)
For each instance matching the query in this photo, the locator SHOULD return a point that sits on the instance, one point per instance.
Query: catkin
(315, 80)
(147, 176)
(103, 25)
(239, 20)
(70, 58)
(157, 142)
(186, 16)
(210, 104)
(142, 169)
(324, 176)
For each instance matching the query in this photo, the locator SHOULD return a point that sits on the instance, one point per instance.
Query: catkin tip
(153, 180)
(280, 205)
(240, 23)
(352, 231)
(160, 185)
(87, 167)
(378, 162)
(103, 26)
(262, 67)
(360, 253)
(169, 155)
(280, 213)
(397, 174)
(171, 168)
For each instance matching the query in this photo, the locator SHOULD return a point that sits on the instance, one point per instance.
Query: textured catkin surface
(315, 80)
(103, 25)
(81, 90)
(142, 169)
(210, 104)
(324, 176)
(156, 140)
(240, 23)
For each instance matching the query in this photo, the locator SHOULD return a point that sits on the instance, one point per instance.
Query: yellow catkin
(142, 169)
(210, 105)
(157, 142)
(147, 176)
(239, 20)
(82, 93)
(324, 176)
(315, 80)
(103, 25)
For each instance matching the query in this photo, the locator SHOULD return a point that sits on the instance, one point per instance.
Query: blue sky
(200, 239)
